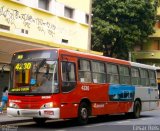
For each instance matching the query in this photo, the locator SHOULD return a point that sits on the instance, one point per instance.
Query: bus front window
(35, 77)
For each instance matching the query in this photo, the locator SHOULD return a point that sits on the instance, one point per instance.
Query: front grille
(29, 113)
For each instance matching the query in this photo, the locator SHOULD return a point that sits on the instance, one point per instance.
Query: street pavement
(149, 121)
(5, 119)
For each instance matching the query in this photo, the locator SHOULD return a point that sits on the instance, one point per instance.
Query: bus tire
(40, 121)
(137, 109)
(83, 113)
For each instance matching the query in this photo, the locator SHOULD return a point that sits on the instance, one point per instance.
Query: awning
(8, 46)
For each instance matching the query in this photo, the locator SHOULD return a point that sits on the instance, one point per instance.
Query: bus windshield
(34, 77)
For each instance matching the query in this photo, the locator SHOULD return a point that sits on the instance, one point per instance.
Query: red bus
(60, 83)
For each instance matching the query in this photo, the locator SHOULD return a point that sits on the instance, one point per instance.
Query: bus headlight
(47, 105)
(13, 105)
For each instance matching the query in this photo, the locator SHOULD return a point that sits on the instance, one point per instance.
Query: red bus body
(66, 104)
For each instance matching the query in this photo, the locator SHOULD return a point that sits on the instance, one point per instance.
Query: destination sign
(32, 55)
(23, 66)
(20, 89)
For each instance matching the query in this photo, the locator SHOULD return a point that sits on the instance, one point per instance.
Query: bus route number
(85, 88)
(25, 66)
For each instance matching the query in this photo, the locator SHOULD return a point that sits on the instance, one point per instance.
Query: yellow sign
(20, 89)
(20, 57)
(25, 66)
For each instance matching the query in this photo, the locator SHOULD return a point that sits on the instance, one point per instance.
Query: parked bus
(61, 83)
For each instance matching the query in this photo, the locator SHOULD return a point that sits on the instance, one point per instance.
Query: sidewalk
(5, 119)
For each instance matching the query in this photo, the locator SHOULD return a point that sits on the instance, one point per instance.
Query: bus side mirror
(2, 70)
(2, 74)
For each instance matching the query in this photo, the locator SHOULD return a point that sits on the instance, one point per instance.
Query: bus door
(68, 80)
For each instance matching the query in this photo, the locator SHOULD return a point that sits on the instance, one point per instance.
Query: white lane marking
(21, 124)
(32, 122)
(104, 124)
(59, 130)
(123, 122)
(145, 119)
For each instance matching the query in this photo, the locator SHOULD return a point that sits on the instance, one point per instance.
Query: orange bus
(60, 83)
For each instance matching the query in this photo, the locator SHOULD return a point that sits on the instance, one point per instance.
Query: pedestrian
(4, 99)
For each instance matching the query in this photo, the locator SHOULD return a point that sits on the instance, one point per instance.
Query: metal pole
(129, 56)
(89, 28)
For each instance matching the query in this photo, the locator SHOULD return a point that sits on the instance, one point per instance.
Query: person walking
(4, 99)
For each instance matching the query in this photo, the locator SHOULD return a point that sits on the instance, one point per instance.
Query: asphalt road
(149, 121)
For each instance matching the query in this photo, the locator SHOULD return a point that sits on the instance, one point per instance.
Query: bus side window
(84, 71)
(98, 71)
(135, 76)
(112, 73)
(144, 77)
(124, 75)
(68, 76)
(152, 78)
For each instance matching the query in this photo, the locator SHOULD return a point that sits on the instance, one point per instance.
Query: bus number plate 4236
(85, 88)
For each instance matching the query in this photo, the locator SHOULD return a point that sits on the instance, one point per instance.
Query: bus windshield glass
(34, 76)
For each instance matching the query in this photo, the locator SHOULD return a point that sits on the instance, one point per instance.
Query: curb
(11, 121)
(15, 121)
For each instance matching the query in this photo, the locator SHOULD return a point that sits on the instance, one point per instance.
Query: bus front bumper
(53, 113)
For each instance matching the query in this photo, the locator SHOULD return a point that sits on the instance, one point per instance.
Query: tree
(120, 24)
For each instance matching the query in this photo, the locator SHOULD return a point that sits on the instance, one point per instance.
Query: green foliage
(120, 24)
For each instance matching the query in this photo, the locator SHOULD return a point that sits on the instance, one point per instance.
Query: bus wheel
(136, 109)
(40, 121)
(83, 113)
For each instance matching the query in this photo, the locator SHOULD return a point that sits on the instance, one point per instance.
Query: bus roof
(86, 55)
(143, 66)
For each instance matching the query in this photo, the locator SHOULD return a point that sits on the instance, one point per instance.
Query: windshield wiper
(40, 65)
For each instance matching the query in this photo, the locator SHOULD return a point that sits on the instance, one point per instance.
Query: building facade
(39, 23)
(28, 24)
(149, 53)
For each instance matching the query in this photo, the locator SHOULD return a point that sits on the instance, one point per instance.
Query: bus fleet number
(85, 88)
